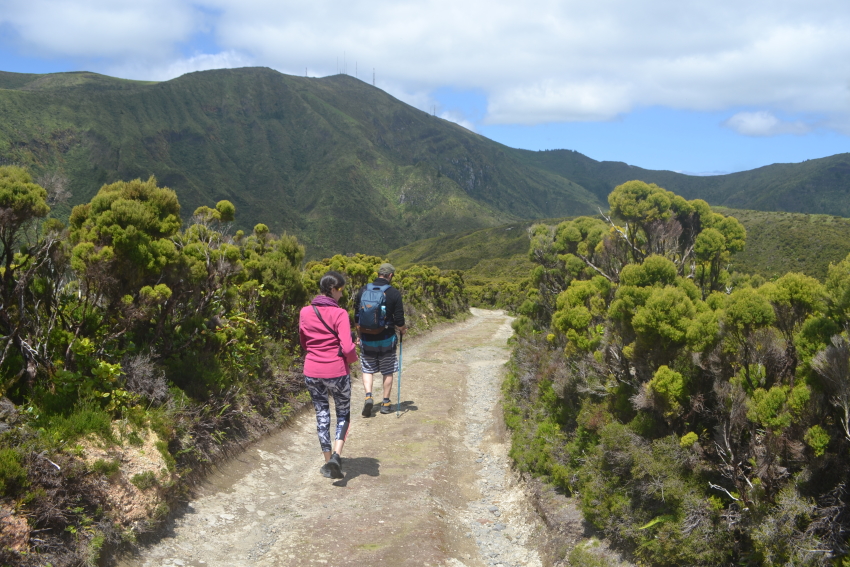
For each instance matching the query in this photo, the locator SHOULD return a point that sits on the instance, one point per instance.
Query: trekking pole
(398, 390)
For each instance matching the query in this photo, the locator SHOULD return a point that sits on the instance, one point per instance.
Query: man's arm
(398, 313)
(357, 305)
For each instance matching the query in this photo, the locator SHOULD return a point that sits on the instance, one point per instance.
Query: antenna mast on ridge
(373, 76)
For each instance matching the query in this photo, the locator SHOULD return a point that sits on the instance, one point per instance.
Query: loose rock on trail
(431, 487)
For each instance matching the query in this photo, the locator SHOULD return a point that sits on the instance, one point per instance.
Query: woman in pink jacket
(326, 338)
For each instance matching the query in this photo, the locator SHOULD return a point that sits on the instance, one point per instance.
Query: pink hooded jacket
(322, 348)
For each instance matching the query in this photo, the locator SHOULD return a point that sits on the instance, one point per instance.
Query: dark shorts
(378, 362)
(378, 356)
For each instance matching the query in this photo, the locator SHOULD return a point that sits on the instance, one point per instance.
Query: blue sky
(663, 84)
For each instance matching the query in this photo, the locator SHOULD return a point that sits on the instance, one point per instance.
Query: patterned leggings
(340, 389)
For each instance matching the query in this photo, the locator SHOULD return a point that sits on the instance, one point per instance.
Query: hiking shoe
(386, 407)
(334, 466)
(325, 470)
(367, 407)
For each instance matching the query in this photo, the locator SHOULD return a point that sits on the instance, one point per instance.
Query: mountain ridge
(299, 154)
(815, 186)
(341, 164)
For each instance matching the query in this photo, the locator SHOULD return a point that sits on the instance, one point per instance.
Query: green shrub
(818, 439)
(781, 538)
(13, 476)
(106, 468)
(677, 348)
(582, 556)
(767, 408)
(145, 480)
(81, 422)
(641, 492)
(687, 441)
(668, 386)
(647, 424)
(170, 463)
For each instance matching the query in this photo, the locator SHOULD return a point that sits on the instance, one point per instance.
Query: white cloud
(556, 101)
(100, 29)
(457, 118)
(537, 61)
(417, 98)
(704, 173)
(175, 68)
(763, 123)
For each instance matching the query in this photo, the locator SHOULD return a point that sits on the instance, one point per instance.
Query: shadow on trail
(357, 466)
(407, 406)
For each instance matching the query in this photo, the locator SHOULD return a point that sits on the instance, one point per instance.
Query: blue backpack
(372, 315)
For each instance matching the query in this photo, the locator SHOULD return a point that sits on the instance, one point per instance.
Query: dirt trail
(431, 487)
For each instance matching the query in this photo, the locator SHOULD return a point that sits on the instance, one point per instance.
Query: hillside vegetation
(338, 163)
(817, 186)
(782, 242)
(134, 349)
(776, 242)
(698, 418)
(342, 165)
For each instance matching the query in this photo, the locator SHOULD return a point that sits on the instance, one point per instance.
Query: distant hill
(790, 242)
(777, 243)
(341, 164)
(817, 186)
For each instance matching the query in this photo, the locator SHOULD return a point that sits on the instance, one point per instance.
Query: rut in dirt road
(431, 487)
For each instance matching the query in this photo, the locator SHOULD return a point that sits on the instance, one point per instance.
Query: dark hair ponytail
(331, 280)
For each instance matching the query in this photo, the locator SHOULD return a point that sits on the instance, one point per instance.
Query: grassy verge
(82, 485)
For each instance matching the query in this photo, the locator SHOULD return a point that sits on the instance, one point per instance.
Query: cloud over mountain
(539, 61)
(764, 123)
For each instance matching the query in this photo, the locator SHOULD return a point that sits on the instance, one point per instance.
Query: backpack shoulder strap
(334, 333)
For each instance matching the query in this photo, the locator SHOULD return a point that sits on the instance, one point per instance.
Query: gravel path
(430, 488)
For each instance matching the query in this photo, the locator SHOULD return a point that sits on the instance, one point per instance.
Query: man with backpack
(378, 314)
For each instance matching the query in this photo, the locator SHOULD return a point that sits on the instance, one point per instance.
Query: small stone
(493, 508)
(499, 527)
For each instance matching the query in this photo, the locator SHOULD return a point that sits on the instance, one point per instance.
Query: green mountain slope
(341, 164)
(818, 186)
(53, 81)
(777, 243)
(335, 161)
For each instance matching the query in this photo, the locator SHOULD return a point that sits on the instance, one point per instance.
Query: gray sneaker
(334, 467)
(367, 407)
